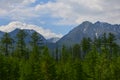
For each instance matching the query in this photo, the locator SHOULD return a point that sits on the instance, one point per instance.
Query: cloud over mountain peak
(16, 24)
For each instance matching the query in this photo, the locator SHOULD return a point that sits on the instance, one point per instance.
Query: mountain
(53, 40)
(50, 43)
(49, 38)
(88, 29)
(85, 29)
(1, 34)
(28, 37)
(19, 25)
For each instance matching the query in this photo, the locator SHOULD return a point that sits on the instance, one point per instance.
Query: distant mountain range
(85, 29)
(88, 29)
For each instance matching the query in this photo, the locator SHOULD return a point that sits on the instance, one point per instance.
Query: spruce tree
(6, 44)
(91, 61)
(48, 66)
(21, 45)
(85, 43)
(35, 40)
(77, 51)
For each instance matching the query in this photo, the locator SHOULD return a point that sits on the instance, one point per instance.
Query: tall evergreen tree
(64, 54)
(91, 60)
(21, 45)
(48, 66)
(77, 51)
(104, 40)
(57, 54)
(35, 40)
(85, 43)
(6, 44)
(111, 43)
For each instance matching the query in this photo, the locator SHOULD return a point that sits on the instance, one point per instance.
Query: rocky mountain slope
(85, 29)
(88, 29)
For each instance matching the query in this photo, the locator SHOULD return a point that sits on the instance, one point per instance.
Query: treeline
(97, 59)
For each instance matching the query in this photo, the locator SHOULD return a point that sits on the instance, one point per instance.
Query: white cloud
(70, 12)
(2, 12)
(76, 11)
(17, 9)
(13, 25)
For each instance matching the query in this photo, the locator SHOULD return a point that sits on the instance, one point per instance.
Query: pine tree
(35, 40)
(79, 70)
(2, 64)
(33, 63)
(77, 51)
(48, 66)
(21, 45)
(98, 43)
(6, 44)
(65, 70)
(85, 43)
(64, 54)
(57, 54)
(91, 61)
(104, 40)
(9, 68)
(112, 45)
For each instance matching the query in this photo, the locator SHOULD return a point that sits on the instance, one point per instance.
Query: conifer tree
(48, 66)
(6, 44)
(34, 57)
(21, 45)
(64, 54)
(57, 54)
(35, 40)
(104, 40)
(111, 43)
(91, 60)
(79, 70)
(85, 43)
(77, 51)
(98, 42)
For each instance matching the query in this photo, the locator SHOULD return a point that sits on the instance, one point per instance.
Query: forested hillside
(97, 59)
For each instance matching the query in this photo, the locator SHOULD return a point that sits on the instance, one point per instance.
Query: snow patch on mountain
(14, 25)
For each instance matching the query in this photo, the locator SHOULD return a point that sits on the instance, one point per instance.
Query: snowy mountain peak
(19, 25)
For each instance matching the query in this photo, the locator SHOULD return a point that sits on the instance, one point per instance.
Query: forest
(91, 59)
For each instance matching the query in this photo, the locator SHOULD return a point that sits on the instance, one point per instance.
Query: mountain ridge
(85, 29)
(89, 29)
(14, 25)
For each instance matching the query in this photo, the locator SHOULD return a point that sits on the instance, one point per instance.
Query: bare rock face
(88, 29)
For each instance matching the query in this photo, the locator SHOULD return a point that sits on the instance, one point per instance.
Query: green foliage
(48, 66)
(9, 68)
(85, 43)
(77, 51)
(97, 60)
(6, 44)
(21, 46)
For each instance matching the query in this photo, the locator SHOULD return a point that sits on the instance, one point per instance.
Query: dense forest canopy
(97, 59)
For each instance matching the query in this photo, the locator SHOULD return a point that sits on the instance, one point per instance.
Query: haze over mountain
(14, 25)
(53, 40)
(88, 29)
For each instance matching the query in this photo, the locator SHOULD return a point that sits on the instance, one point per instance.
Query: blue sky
(59, 16)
